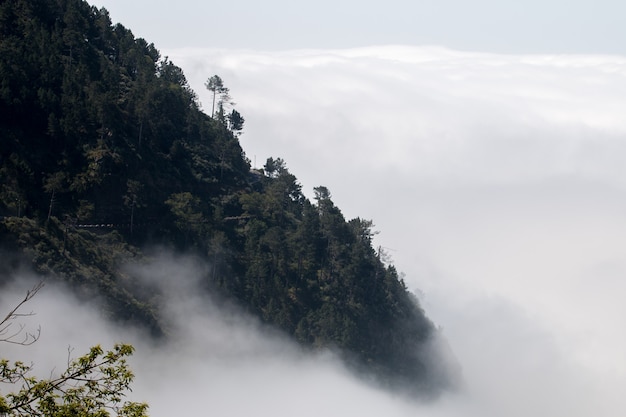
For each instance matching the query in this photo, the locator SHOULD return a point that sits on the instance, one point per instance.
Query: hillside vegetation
(104, 151)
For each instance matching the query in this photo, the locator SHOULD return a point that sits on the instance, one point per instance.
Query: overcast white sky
(503, 26)
(487, 146)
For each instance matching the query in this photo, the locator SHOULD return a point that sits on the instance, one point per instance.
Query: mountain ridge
(105, 151)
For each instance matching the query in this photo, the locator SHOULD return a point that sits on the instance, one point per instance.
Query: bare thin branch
(6, 323)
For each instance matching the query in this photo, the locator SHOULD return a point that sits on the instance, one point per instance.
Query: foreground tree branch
(8, 334)
(93, 385)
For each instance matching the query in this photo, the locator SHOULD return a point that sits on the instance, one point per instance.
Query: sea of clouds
(498, 186)
(497, 183)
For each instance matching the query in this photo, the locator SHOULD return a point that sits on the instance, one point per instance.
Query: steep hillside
(105, 151)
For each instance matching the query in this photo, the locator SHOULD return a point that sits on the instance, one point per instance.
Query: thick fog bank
(219, 361)
(497, 183)
(498, 186)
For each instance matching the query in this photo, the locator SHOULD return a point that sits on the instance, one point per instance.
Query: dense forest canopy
(105, 151)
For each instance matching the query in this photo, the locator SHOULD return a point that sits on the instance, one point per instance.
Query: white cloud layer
(498, 186)
(497, 182)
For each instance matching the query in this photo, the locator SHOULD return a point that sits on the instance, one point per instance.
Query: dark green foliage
(85, 108)
(104, 149)
(318, 277)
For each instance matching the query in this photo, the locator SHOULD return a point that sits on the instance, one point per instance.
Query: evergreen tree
(216, 86)
(235, 121)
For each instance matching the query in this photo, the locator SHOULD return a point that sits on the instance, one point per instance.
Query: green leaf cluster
(93, 385)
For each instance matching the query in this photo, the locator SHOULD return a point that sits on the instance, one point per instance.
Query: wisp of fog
(216, 360)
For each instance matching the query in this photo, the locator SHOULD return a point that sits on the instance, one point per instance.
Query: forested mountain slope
(104, 151)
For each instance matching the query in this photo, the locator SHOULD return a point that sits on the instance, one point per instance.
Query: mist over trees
(105, 151)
